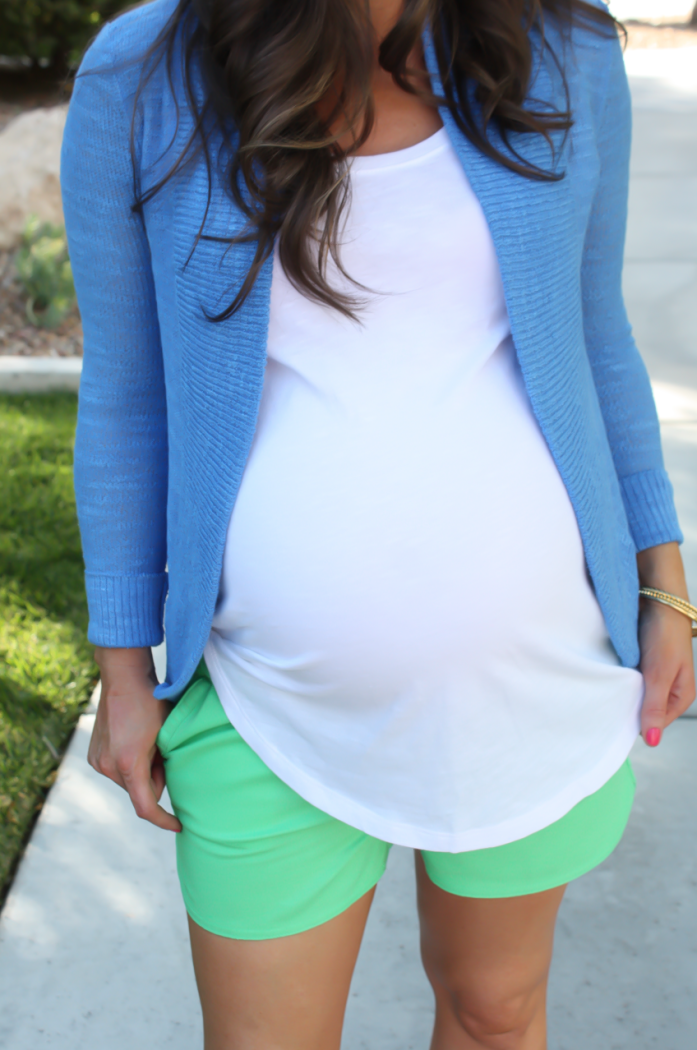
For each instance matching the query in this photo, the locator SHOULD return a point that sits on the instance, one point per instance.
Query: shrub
(44, 270)
(52, 32)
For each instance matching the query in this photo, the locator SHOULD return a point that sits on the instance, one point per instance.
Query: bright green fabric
(255, 860)
(562, 851)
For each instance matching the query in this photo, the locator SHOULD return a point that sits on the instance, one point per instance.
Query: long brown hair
(268, 64)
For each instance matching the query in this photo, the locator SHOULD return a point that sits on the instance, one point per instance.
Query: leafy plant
(52, 32)
(44, 270)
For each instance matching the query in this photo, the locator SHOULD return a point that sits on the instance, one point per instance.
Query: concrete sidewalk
(660, 276)
(93, 945)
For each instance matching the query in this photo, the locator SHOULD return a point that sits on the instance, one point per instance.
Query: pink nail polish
(653, 737)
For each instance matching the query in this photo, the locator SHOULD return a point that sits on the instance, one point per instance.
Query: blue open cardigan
(169, 400)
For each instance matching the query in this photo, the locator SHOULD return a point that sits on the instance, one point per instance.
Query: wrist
(661, 567)
(125, 662)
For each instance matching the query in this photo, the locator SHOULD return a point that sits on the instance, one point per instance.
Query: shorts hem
(479, 892)
(255, 935)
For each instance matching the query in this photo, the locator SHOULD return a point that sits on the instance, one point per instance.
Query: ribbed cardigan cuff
(126, 611)
(648, 500)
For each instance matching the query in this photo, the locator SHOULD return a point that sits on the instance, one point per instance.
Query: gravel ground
(17, 336)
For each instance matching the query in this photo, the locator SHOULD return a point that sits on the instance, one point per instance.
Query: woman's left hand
(665, 638)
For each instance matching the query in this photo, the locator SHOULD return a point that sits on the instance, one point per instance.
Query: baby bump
(365, 539)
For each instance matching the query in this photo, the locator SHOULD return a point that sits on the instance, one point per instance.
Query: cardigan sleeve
(121, 439)
(621, 379)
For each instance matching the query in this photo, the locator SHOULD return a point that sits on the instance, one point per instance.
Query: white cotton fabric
(405, 631)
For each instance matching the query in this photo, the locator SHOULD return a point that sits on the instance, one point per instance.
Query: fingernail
(653, 737)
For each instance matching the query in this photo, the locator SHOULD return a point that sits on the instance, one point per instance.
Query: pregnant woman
(361, 401)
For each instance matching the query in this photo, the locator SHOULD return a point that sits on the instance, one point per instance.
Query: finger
(141, 790)
(148, 809)
(682, 693)
(653, 711)
(157, 774)
(110, 771)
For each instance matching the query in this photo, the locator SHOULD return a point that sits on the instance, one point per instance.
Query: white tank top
(405, 632)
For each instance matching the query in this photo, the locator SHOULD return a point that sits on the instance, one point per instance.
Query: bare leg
(488, 963)
(288, 993)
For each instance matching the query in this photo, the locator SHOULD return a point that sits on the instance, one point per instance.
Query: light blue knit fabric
(168, 400)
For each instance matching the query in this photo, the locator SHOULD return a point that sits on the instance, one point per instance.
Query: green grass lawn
(46, 668)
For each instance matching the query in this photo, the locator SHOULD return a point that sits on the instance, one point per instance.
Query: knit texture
(169, 400)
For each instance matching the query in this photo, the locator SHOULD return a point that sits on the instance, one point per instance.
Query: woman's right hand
(124, 739)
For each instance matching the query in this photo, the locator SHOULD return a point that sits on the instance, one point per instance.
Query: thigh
(487, 957)
(286, 993)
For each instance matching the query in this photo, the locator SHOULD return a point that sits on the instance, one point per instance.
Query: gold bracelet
(672, 600)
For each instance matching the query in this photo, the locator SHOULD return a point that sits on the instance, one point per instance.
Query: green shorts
(256, 860)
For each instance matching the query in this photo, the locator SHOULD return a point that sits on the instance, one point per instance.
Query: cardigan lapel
(535, 230)
(533, 227)
(222, 364)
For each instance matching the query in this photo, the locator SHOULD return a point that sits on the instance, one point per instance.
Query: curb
(38, 375)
